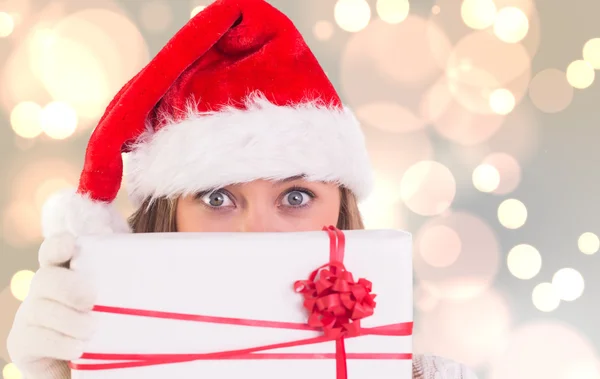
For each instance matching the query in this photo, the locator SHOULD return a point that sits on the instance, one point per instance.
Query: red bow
(335, 302)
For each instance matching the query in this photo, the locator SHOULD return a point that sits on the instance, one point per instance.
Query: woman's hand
(55, 319)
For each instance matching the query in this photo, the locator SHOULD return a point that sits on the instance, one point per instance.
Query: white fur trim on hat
(264, 141)
(70, 212)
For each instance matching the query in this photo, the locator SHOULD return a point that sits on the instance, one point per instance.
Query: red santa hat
(236, 95)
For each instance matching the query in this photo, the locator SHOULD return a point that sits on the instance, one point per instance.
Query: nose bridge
(258, 217)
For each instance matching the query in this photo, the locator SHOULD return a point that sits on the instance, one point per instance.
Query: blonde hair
(158, 216)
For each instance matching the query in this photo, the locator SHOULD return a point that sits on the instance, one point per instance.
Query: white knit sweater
(424, 367)
(432, 367)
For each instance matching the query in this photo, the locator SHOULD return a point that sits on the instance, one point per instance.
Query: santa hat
(236, 95)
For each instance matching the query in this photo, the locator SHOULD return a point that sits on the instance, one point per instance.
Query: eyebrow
(292, 178)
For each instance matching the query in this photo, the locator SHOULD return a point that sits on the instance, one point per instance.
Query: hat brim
(261, 141)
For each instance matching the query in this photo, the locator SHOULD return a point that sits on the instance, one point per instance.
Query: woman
(233, 126)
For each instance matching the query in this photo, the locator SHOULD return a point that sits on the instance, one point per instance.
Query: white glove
(52, 323)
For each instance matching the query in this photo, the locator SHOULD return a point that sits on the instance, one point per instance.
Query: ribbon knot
(335, 301)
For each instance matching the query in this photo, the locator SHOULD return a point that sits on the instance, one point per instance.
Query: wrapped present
(319, 305)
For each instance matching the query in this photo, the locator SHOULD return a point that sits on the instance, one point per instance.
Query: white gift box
(242, 276)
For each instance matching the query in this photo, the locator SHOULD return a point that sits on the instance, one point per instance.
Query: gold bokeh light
(580, 74)
(58, 120)
(478, 14)
(393, 11)
(486, 178)
(591, 52)
(568, 283)
(7, 25)
(10, 371)
(19, 284)
(323, 30)
(502, 101)
(550, 91)
(511, 25)
(197, 10)
(524, 261)
(25, 119)
(352, 15)
(545, 298)
(512, 214)
(588, 243)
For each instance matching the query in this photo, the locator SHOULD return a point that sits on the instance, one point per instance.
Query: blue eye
(297, 198)
(217, 199)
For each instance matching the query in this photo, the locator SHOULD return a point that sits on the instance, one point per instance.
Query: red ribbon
(336, 304)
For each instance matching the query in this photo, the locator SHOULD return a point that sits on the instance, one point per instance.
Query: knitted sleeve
(432, 367)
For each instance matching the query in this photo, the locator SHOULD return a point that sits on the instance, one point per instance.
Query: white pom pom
(70, 212)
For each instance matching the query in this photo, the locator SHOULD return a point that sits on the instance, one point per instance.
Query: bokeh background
(481, 119)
